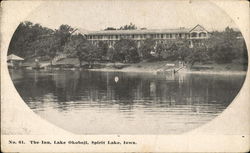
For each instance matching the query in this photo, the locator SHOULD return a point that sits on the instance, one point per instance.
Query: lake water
(91, 102)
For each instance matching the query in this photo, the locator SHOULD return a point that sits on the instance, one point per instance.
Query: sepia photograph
(126, 67)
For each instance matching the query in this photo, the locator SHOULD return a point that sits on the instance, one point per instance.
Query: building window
(194, 34)
(202, 34)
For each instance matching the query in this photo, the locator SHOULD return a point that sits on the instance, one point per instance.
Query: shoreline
(160, 67)
(186, 71)
(154, 71)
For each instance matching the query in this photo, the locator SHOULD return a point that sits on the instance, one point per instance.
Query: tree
(71, 45)
(131, 26)
(78, 46)
(160, 48)
(146, 48)
(34, 41)
(197, 55)
(26, 37)
(111, 54)
(63, 35)
(169, 52)
(223, 53)
(241, 51)
(110, 28)
(102, 49)
(222, 46)
(183, 50)
(86, 51)
(53, 48)
(126, 51)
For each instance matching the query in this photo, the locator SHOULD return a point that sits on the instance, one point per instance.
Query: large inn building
(194, 35)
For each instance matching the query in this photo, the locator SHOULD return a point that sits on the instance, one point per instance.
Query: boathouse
(14, 61)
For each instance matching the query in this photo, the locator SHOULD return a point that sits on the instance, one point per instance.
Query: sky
(98, 15)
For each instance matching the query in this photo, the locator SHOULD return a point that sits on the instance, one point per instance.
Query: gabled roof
(198, 26)
(14, 57)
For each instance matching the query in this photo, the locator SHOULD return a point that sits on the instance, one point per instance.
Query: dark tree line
(34, 41)
(226, 46)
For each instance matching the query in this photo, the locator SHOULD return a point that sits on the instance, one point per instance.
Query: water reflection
(88, 102)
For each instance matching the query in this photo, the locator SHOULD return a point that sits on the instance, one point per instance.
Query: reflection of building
(194, 35)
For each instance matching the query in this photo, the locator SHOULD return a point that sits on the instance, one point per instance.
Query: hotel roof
(137, 31)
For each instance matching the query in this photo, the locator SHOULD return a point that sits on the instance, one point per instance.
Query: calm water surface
(85, 102)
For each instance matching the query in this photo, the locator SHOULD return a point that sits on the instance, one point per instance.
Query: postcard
(125, 76)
